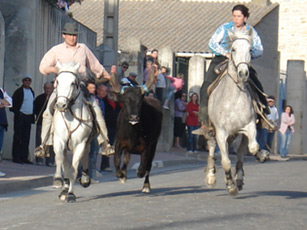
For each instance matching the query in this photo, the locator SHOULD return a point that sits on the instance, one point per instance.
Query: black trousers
(22, 130)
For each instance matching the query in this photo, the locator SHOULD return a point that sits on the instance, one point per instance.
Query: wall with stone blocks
(31, 28)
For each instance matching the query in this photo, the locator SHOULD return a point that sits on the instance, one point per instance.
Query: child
(176, 85)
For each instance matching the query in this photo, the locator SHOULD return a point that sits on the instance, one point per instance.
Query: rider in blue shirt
(218, 44)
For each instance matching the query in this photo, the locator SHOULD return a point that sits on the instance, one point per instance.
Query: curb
(25, 184)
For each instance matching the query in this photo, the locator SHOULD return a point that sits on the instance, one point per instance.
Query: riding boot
(102, 137)
(46, 137)
(205, 129)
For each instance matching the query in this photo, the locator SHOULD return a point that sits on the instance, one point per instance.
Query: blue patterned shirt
(218, 43)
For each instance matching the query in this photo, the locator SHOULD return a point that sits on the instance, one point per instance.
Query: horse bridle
(76, 85)
(236, 65)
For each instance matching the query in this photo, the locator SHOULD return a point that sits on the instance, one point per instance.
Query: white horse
(231, 112)
(73, 129)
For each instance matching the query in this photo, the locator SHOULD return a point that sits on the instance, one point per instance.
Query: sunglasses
(27, 79)
(125, 67)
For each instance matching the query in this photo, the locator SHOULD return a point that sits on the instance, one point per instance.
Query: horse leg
(123, 177)
(85, 179)
(239, 173)
(58, 178)
(226, 164)
(210, 170)
(253, 147)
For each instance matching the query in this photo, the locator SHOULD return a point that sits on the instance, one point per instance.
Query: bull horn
(114, 81)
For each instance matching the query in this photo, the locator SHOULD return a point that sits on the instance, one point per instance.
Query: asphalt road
(274, 197)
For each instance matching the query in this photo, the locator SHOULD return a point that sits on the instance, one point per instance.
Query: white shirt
(27, 104)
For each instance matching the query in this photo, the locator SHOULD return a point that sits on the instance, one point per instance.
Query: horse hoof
(70, 198)
(57, 183)
(146, 190)
(240, 184)
(85, 181)
(232, 190)
(262, 156)
(210, 180)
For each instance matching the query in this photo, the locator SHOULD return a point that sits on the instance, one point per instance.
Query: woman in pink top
(176, 85)
(286, 130)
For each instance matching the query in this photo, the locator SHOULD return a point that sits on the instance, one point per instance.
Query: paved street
(274, 197)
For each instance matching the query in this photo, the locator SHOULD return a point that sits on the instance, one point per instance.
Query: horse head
(240, 54)
(67, 85)
(132, 97)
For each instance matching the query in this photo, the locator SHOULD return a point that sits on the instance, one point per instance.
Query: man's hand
(113, 69)
(106, 75)
(4, 103)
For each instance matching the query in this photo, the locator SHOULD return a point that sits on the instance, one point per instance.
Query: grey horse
(231, 112)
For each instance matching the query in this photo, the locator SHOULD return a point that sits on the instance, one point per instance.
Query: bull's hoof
(122, 180)
(70, 198)
(146, 189)
(57, 182)
(140, 174)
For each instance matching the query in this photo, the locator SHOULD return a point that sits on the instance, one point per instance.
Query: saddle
(254, 91)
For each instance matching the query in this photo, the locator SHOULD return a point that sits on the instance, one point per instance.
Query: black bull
(139, 126)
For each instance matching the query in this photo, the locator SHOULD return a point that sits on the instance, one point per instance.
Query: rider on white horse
(219, 45)
(68, 52)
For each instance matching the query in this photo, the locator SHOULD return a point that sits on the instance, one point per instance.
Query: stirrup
(108, 150)
(40, 151)
(206, 131)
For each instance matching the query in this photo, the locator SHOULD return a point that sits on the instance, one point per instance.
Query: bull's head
(132, 97)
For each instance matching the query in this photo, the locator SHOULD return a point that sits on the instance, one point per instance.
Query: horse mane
(236, 34)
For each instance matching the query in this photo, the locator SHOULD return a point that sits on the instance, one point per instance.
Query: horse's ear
(76, 67)
(58, 65)
(231, 35)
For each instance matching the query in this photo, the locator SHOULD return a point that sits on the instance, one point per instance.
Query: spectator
(40, 104)
(286, 130)
(112, 109)
(5, 101)
(153, 57)
(120, 73)
(161, 84)
(180, 109)
(267, 133)
(23, 99)
(192, 122)
(176, 85)
(145, 73)
(130, 80)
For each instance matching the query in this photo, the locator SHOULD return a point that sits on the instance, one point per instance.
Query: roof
(185, 26)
